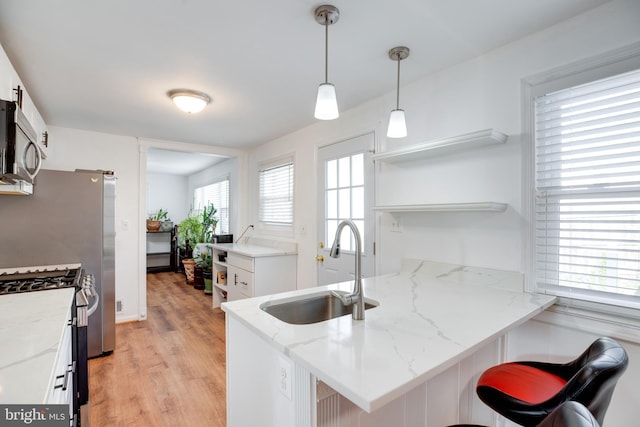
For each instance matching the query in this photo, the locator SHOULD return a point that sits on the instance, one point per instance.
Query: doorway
(152, 150)
(346, 192)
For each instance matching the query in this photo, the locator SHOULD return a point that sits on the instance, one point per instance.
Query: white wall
(77, 149)
(169, 192)
(478, 94)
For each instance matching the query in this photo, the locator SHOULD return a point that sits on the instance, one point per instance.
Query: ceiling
(106, 66)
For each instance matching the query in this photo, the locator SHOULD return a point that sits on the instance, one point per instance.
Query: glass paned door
(345, 193)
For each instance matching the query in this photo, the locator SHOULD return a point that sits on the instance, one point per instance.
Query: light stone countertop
(431, 316)
(254, 251)
(31, 328)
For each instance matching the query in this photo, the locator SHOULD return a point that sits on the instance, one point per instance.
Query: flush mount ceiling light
(397, 125)
(189, 101)
(326, 103)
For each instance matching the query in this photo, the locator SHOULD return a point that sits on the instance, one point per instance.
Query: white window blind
(587, 156)
(276, 194)
(218, 194)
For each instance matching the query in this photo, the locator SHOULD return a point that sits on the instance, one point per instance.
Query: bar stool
(570, 414)
(527, 392)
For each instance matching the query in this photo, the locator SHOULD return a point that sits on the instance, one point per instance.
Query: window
(218, 194)
(276, 193)
(587, 191)
(344, 196)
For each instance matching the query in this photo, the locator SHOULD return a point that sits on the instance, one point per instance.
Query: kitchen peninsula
(430, 318)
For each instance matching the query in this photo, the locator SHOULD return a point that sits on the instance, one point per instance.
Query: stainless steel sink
(312, 308)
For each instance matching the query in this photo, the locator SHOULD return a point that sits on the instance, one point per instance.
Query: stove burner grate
(38, 281)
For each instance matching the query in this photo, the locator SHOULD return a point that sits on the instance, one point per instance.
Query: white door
(345, 192)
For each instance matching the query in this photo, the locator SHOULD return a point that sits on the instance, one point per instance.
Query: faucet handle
(346, 300)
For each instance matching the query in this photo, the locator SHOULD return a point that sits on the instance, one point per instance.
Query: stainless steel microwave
(20, 156)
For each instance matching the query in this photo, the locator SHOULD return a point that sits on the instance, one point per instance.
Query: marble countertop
(430, 317)
(31, 328)
(254, 251)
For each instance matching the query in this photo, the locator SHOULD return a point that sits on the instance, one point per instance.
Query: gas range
(29, 279)
(47, 277)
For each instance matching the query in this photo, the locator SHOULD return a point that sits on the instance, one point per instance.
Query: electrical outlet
(396, 227)
(284, 376)
(119, 306)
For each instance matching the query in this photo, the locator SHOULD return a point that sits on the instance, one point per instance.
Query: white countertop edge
(269, 329)
(253, 251)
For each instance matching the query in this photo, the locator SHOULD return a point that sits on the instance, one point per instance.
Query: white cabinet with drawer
(61, 386)
(256, 271)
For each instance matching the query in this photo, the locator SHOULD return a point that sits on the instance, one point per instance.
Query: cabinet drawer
(242, 281)
(61, 387)
(240, 261)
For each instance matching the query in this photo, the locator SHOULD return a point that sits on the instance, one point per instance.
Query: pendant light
(397, 124)
(189, 101)
(326, 103)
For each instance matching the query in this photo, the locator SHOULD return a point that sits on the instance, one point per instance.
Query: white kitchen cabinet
(9, 82)
(62, 376)
(37, 347)
(252, 270)
(249, 276)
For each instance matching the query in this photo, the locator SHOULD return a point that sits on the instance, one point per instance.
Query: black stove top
(39, 280)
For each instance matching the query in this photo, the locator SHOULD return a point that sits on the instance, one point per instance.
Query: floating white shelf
(443, 146)
(445, 207)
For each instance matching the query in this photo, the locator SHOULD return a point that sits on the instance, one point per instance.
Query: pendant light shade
(397, 124)
(189, 101)
(326, 102)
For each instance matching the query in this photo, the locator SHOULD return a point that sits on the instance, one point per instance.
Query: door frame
(319, 207)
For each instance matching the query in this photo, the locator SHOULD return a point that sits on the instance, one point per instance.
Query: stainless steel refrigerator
(69, 218)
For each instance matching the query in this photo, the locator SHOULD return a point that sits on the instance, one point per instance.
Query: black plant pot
(208, 281)
(198, 278)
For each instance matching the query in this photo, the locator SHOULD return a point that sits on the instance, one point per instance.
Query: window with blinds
(587, 177)
(218, 194)
(276, 194)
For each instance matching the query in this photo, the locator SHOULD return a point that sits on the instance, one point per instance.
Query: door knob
(319, 258)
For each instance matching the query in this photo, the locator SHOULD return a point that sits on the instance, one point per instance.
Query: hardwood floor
(168, 370)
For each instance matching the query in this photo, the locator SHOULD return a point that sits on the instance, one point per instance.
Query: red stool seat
(522, 382)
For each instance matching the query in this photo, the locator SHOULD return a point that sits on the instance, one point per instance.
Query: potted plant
(197, 228)
(205, 262)
(155, 220)
(193, 230)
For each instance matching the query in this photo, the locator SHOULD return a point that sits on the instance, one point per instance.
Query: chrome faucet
(356, 299)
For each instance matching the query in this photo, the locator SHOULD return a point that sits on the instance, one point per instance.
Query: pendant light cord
(398, 85)
(326, 48)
